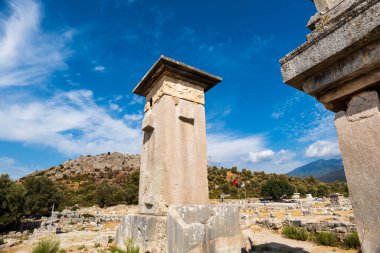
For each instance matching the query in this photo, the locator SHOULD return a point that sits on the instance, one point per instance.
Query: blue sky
(67, 69)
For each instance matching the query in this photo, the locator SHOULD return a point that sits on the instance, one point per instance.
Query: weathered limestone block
(359, 140)
(146, 231)
(204, 229)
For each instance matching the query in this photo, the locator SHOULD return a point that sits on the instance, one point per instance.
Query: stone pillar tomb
(339, 65)
(174, 214)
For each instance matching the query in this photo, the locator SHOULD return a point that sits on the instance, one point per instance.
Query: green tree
(12, 199)
(104, 195)
(132, 188)
(41, 195)
(274, 188)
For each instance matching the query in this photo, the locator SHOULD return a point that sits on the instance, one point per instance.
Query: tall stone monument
(174, 214)
(339, 65)
(174, 155)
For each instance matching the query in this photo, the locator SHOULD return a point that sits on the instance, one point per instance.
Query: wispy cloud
(282, 108)
(133, 117)
(70, 122)
(136, 100)
(28, 55)
(100, 68)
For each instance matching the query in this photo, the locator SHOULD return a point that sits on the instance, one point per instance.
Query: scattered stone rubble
(313, 215)
(101, 223)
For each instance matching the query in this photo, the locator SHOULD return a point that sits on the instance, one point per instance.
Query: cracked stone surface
(359, 140)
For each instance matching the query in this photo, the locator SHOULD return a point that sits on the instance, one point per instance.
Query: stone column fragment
(359, 139)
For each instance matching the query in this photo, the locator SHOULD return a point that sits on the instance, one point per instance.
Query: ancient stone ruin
(339, 65)
(174, 214)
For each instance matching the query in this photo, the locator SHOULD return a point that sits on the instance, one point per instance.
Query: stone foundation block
(203, 229)
(146, 231)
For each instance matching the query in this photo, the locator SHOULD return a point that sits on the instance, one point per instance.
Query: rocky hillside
(112, 168)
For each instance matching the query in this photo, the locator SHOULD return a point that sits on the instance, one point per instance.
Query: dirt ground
(264, 240)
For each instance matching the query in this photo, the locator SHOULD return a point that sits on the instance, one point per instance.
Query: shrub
(352, 241)
(295, 233)
(129, 248)
(48, 246)
(325, 238)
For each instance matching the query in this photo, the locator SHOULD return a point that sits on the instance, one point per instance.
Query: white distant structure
(296, 195)
(309, 196)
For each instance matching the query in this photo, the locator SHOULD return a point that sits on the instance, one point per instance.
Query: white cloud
(99, 68)
(28, 55)
(115, 107)
(323, 149)
(136, 100)
(117, 98)
(284, 156)
(70, 122)
(261, 156)
(133, 117)
(280, 157)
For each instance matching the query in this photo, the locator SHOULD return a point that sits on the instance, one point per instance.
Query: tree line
(34, 196)
(262, 185)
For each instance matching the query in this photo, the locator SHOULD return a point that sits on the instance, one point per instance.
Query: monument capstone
(339, 65)
(174, 213)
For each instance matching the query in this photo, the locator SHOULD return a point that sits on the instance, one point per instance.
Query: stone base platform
(186, 229)
(146, 231)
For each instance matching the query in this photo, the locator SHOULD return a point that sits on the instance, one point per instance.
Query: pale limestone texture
(359, 141)
(174, 156)
(339, 65)
(204, 229)
(146, 231)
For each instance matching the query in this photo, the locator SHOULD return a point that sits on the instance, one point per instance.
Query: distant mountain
(336, 175)
(324, 170)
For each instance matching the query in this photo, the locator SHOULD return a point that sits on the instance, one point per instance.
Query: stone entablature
(177, 88)
(338, 51)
